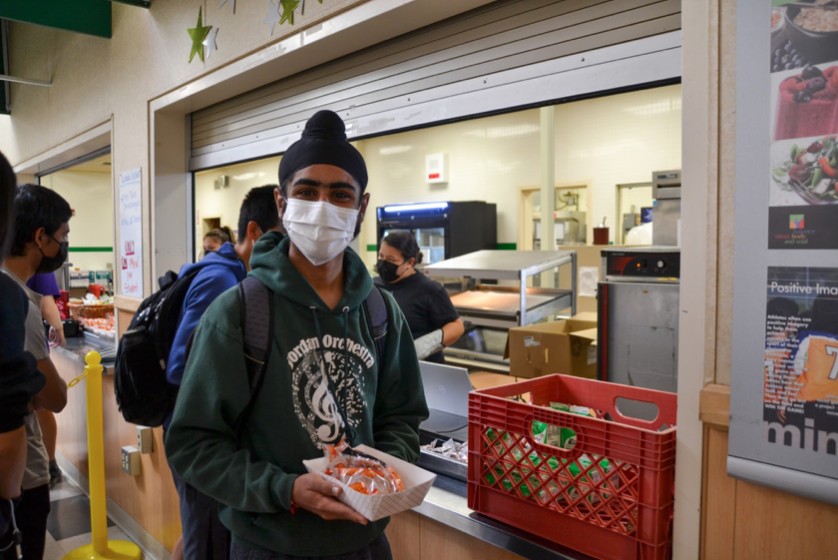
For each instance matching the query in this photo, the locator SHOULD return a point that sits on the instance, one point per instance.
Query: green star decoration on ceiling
(288, 7)
(198, 34)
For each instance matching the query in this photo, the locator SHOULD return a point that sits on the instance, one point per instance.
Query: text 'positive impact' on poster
(131, 232)
(803, 211)
(800, 390)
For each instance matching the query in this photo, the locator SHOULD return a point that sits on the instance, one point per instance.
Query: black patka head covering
(324, 142)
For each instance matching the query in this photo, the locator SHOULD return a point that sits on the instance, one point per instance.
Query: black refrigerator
(443, 229)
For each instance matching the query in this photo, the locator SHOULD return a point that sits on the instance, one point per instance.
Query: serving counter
(445, 524)
(77, 348)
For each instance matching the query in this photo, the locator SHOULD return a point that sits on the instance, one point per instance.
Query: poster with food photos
(803, 212)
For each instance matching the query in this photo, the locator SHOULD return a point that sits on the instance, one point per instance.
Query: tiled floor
(68, 527)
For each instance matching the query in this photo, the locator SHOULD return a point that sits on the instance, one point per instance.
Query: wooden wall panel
(150, 498)
(440, 542)
(773, 525)
(719, 492)
(744, 521)
(404, 534)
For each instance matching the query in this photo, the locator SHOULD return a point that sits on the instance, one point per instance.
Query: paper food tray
(417, 483)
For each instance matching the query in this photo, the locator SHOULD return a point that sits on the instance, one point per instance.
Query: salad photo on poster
(803, 194)
(800, 377)
(801, 35)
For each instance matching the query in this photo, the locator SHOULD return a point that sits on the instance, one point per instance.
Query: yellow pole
(96, 454)
(100, 548)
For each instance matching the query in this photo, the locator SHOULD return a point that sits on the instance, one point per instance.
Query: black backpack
(257, 318)
(143, 394)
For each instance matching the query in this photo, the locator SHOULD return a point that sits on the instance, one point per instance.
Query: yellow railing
(101, 547)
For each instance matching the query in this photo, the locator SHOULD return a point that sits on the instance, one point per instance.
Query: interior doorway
(572, 207)
(210, 224)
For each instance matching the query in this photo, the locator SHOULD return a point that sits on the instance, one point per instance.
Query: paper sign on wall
(131, 232)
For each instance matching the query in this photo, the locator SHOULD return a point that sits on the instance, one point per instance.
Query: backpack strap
(257, 324)
(376, 306)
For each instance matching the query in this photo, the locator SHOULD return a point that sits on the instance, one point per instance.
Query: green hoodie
(295, 414)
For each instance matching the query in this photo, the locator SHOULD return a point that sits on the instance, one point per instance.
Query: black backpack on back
(143, 394)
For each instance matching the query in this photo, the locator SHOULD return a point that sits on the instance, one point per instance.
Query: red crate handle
(600, 395)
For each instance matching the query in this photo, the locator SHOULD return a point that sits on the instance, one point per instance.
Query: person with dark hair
(39, 245)
(204, 537)
(20, 379)
(46, 286)
(325, 381)
(426, 305)
(217, 237)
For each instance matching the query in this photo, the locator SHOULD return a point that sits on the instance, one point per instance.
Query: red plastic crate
(619, 507)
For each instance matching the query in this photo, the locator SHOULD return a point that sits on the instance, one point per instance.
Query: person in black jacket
(20, 379)
(424, 302)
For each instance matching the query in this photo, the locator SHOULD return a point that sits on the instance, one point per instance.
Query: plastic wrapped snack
(361, 472)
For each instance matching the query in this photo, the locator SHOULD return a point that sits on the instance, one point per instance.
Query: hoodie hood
(270, 263)
(225, 256)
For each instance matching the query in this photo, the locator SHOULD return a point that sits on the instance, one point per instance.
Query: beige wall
(225, 202)
(90, 195)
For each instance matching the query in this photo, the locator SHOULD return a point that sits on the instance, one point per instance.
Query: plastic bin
(610, 496)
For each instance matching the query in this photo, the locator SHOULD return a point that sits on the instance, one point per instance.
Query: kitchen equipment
(570, 229)
(443, 229)
(72, 328)
(601, 235)
(96, 289)
(491, 296)
(666, 190)
(637, 335)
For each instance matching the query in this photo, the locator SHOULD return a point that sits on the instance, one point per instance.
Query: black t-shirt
(20, 379)
(425, 304)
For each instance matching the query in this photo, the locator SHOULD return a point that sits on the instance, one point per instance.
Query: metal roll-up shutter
(510, 53)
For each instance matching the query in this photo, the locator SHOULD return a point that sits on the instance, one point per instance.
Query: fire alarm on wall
(436, 168)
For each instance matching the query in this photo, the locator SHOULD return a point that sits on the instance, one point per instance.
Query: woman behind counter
(424, 302)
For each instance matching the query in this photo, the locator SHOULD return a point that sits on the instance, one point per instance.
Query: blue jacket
(220, 271)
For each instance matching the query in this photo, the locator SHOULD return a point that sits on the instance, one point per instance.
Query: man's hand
(313, 493)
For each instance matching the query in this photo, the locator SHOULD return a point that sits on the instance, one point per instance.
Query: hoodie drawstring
(350, 431)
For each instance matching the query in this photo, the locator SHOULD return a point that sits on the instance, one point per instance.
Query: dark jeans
(379, 549)
(31, 513)
(204, 536)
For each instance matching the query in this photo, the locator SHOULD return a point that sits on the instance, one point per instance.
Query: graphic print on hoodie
(327, 392)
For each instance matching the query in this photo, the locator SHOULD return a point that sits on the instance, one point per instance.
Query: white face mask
(320, 230)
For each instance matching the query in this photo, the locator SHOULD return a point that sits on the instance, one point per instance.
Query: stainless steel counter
(77, 348)
(446, 503)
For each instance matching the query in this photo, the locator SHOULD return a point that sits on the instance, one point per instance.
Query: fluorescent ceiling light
(413, 207)
(390, 150)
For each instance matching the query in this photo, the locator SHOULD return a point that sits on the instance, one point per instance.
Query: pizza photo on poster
(800, 384)
(802, 36)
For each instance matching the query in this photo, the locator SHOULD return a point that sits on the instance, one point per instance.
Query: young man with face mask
(323, 381)
(39, 246)
(204, 538)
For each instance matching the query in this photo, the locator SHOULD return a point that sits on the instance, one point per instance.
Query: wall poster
(803, 201)
(131, 232)
(784, 369)
(800, 391)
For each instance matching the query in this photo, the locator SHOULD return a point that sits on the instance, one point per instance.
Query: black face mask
(51, 264)
(387, 270)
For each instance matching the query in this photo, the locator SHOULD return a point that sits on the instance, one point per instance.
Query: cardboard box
(417, 483)
(567, 347)
(487, 380)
